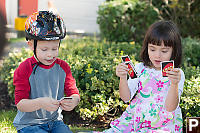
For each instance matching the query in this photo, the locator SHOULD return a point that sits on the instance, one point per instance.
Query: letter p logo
(193, 124)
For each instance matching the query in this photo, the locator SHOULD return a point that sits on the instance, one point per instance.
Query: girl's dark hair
(166, 32)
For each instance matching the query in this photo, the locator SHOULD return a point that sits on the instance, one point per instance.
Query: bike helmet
(44, 25)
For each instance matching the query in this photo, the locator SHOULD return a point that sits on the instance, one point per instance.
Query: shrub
(191, 48)
(10, 63)
(183, 12)
(190, 99)
(125, 20)
(93, 66)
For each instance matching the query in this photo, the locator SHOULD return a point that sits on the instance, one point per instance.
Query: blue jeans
(50, 127)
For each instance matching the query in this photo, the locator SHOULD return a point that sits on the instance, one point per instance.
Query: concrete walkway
(14, 46)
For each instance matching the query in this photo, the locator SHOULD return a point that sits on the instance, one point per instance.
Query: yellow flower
(89, 70)
(132, 43)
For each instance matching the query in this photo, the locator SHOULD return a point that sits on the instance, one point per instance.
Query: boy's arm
(21, 82)
(30, 105)
(70, 89)
(70, 83)
(76, 97)
(70, 104)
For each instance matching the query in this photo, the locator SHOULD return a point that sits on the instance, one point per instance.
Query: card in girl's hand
(125, 58)
(131, 72)
(166, 66)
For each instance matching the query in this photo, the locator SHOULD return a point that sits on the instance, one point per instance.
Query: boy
(41, 81)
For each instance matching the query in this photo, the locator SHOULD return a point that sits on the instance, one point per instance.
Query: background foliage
(125, 20)
(123, 23)
(93, 65)
(185, 13)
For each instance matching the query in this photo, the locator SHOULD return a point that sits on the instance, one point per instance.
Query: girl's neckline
(152, 68)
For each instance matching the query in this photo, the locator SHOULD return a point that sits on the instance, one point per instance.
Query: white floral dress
(146, 112)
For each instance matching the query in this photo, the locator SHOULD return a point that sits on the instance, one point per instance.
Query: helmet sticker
(45, 25)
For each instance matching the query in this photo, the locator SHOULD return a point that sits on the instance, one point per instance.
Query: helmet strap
(34, 50)
(59, 43)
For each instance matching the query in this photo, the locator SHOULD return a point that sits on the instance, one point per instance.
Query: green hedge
(93, 65)
(183, 12)
(125, 20)
(191, 51)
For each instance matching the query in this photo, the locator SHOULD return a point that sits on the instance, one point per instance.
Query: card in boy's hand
(125, 58)
(66, 98)
(131, 72)
(166, 66)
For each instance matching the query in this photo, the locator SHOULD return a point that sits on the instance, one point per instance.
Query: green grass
(7, 117)
(13, 40)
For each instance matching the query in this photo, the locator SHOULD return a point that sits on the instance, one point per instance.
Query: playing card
(166, 66)
(125, 58)
(131, 72)
(66, 98)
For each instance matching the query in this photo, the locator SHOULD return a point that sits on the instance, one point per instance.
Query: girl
(155, 108)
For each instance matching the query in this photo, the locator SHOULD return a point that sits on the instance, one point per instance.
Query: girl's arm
(172, 98)
(124, 90)
(121, 71)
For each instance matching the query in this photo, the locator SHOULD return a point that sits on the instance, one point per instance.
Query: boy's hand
(174, 76)
(69, 104)
(122, 70)
(49, 104)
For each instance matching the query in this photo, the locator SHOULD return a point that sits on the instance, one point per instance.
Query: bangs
(157, 37)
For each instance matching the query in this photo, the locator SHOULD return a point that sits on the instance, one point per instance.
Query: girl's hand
(174, 76)
(122, 70)
(49, 104)
(69, 104)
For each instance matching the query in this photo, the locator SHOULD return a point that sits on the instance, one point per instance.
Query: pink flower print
(177, 128)
(167, 120)
(137, 119)
(116, 122)
(145, 124)
(125, 114)
(153, 106)
(138, 109)
(155, 90)
(140, 87)
(128, 128)
(142, 71)
(160, 84)
(158, 99)
(147, 89)
(133, 101)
